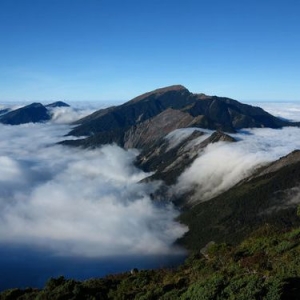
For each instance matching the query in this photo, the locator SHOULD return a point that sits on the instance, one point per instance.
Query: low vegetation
(236, 213)
(266, 265)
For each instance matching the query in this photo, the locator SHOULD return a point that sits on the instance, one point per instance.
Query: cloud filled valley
(77, 202)
(91, 203)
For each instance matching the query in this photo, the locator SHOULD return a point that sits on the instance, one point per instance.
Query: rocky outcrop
(146, 133)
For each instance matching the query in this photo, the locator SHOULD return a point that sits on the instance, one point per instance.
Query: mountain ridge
(32, 113)
(133, 123)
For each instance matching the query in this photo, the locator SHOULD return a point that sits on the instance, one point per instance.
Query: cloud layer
(78, 202)
(90, 202)
(76, 111)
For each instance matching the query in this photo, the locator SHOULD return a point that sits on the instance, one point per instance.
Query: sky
(115, 49)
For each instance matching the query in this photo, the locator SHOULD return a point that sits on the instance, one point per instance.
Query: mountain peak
(58, 104)
(160, 91)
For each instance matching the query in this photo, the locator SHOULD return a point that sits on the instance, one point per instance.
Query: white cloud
(76, 111)
(221, 165)
(78, 202)
(90, 202)
(286, 109)
(179, 135)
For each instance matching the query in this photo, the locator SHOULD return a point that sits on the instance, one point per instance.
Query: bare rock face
(153, 129)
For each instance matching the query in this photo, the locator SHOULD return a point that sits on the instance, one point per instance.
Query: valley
(221, 170)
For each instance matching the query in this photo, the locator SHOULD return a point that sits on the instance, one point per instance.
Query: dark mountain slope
(4, 111)
(229, 115)
(146, 118)
(57, 104)
(133, 112)
(32, 113)
(271, 196)
(35, 112)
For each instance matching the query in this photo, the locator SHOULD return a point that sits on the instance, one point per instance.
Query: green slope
(231, 216)
(264, 266)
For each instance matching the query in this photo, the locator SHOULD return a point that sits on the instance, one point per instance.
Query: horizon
(73, 50)
(122, 101)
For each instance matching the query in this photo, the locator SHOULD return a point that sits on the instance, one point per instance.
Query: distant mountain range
(33, 113)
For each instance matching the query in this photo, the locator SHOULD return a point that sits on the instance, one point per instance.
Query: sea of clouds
(78, 202)
(82, 203)
(91, 202)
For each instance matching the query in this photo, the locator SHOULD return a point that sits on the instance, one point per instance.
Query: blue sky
(117, 49)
